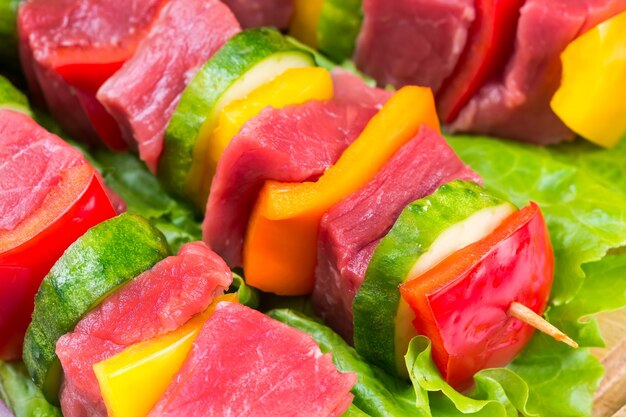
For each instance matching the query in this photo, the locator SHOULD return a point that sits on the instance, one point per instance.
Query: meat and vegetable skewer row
(356, 194)
(84, 296)
(481, 59)
(495, 66)
(38, 348)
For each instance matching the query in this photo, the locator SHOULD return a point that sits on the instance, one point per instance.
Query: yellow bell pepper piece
(132, 381)
(280, 249)
(590, 100)
(306, 15)
(294, 86)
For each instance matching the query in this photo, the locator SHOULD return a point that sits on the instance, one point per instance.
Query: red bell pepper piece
(86, 80)
(71, 203)
(461, 304)
(490, 42)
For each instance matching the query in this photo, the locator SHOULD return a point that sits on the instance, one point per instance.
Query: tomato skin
(491, 40)
(23, 267)
(461, 304)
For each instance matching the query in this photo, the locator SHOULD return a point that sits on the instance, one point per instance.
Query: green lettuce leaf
(247, 295)
(561, 380)
(603, 165)
(143, 194)
(547, 379)
(354, 411)
(20, 393)
(604, 289)
(445, 400)
(586, 216)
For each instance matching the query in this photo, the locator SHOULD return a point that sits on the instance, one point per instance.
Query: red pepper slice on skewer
(86, 80)
(462, 303)
(490, 41)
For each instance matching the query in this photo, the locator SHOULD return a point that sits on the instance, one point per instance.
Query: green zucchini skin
(338, 28)
(420, 223)
(21, 395)
(199, 104)
(103, 259)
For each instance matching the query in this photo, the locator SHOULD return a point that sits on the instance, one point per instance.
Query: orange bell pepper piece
(280, 249)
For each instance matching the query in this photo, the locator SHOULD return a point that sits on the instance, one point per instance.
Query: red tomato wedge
(49, 196)
(491, 40)
(461, 304)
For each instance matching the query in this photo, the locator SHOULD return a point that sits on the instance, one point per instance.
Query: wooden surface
(610, 400)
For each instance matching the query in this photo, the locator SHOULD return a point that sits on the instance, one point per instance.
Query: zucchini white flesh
(456, 237)
(428, 230)
(247, 61)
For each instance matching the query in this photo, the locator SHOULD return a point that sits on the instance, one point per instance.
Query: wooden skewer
(525, 314)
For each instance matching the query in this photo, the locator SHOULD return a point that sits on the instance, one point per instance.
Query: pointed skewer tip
(525, 314)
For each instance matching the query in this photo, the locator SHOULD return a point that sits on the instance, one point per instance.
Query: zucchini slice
(428, 230)
(247, 61)
(103, 259)
(338, 28)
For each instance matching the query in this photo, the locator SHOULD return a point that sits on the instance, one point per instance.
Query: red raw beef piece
(69, 48)
(413, 42)
(34, 162)
(350, 89)
(260, 13)
(351, 229)
(244, 363)
(517, 104)
(144, 93)
(292, 144)
(154, 303)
